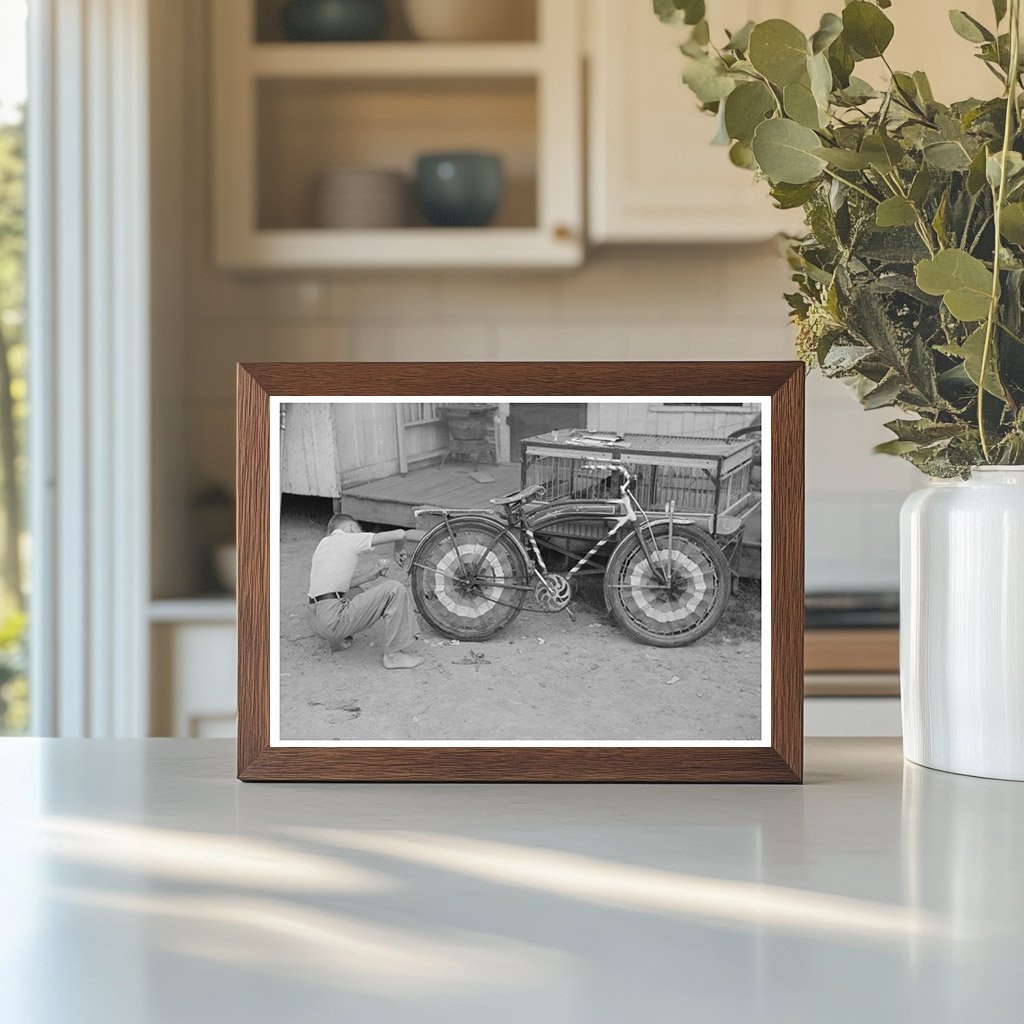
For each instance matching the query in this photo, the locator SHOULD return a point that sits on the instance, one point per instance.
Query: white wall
(666, 303)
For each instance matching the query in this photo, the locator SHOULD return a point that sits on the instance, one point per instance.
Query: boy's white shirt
(335, 561)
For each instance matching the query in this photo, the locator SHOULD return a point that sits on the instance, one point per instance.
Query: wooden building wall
(326, 447)
(669, 420)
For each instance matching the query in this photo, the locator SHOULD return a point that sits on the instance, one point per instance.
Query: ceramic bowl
(358, 197)
(460, 189)
(470, 20)
(334, 20)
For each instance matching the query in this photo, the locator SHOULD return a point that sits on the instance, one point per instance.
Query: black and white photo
(506, 572)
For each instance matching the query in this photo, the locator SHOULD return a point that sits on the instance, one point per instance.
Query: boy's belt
(334, 595)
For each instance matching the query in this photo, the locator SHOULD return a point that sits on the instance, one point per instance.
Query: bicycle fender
(457, 520)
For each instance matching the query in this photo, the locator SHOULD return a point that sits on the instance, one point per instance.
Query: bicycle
(667, 582)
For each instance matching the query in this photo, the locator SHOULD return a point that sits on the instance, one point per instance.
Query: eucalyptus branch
(853, 185)
(923, 227)
(1000, 199)
(981, 231)
(969, 218)
(910, 259)
(771, 89)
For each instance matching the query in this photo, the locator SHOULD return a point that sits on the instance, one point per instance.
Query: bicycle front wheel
(469, 581)
(674, 597)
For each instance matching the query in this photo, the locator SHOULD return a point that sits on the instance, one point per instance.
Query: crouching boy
(337, 612)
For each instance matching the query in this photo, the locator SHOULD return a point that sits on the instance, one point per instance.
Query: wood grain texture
(782, 762)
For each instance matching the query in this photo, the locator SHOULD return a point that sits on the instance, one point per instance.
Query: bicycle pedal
(571, 614)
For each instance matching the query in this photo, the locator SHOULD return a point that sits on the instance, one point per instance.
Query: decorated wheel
(469, 581)
(674, 597)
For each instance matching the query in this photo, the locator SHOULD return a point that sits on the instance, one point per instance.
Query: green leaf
(820, 77)
(789, 197)
(883, 153)
(896, 447)
(923, 431)
(921, 185)
(1012, 225)
(971, 352)
(841, 60)
(924, 87)
(969, 28)
(885, 394)
(739, 41)
(785, 152)
(858, 91)
(963, 281)
(800, 105)
(999, 6)
(907, 93)
(896, 212)
(844, 159)
(708, 80)
(1014, 169)
(976, 174)
(694, 10)
(939, 220)
(778, 50)
(866, 29)
(745, 108)
(741, 155)
(675, 12)
(829, 30)
(947, 156)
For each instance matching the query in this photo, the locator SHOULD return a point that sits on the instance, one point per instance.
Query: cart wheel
(469, 589)
(661, 613)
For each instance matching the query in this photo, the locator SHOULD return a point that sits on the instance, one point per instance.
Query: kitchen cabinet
(653, 175)
(192, 647)
(287, 113)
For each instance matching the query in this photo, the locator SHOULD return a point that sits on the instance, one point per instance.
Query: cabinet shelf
(392, 60)
(310, 248)
(286, 113)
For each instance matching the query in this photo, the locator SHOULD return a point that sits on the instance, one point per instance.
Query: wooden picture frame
(778, 757)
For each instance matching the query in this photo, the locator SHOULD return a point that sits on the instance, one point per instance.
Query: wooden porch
(390, 501)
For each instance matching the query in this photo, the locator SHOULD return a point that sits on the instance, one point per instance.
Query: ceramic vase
(962, 624)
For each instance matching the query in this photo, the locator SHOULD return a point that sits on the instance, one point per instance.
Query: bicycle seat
(523, 495)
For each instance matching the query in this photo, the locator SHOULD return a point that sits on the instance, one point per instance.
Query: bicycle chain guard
(553, 593)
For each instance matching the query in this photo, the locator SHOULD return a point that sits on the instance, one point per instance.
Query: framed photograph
(548, 572)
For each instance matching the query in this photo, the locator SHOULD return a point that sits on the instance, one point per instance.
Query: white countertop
(141, 885)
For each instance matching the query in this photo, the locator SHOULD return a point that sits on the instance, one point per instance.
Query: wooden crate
(707, 477)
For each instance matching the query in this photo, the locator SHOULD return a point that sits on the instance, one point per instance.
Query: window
(14, 549)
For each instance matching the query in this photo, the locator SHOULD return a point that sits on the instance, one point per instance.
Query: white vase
(962, 624)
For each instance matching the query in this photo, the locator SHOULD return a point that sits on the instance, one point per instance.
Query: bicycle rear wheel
(677, 599)
(466, 581)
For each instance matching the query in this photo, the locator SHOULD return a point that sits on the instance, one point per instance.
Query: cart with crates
(713, 481)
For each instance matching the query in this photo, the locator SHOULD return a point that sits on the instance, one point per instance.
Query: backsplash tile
(718, 302)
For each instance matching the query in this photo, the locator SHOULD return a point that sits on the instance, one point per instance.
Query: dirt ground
(543, 678)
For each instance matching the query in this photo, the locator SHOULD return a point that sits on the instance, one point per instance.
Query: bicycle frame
(522, 529)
